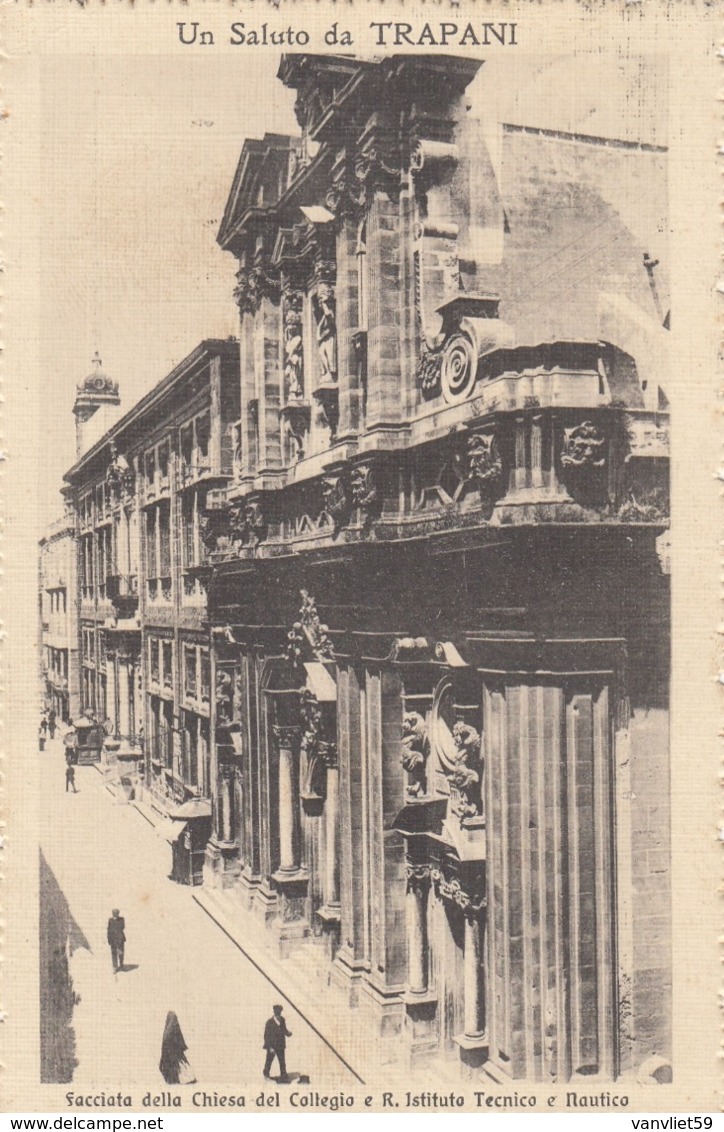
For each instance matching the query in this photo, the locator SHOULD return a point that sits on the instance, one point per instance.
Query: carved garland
(452, 890)
(309, 631)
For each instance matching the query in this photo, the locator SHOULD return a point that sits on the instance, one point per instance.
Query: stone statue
(326, 332)
(414, 755)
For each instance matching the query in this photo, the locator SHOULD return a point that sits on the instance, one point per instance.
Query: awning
(187, 811)
(320, 683)
(171, 830)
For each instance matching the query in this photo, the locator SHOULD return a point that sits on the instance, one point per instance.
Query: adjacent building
(375, 592)
(141, 493)
(58, 611)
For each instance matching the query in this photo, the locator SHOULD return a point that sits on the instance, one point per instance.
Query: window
(167, 733)
(164, 543)
(154, 660)
(158, 551)
(194, 445)
(151, 468)
(192, 547)
(164, 453)
(187, 445)
(190, 675)
(104, 559)
(203, 429)
(190, 749)
(86, 566)
(167, 663)
(205, 673)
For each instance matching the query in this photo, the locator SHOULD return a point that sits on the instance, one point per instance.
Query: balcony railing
(122, 591)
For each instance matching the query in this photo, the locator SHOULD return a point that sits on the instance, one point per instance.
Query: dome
(98, 382)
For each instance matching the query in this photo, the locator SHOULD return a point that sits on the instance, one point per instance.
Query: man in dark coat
(117, 938)
(275, 1043)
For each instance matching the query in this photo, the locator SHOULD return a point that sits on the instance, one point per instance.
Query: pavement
(104, 856)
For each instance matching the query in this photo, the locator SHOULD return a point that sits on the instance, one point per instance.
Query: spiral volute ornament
(459, 369)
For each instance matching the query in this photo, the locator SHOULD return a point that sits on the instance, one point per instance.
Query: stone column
(520, 471)
(111, 691)
(331, 812)
(285, 737)
(473, 975)
(418, 883)
(125, 724)
(536, 451)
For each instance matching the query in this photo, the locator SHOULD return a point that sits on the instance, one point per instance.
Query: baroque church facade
(429, 587)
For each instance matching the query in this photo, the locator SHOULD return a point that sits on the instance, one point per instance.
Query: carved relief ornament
(336, 498)
(414, 753)
(484, 465)
(453, 891)
(310, 632)
(583, 447)
(363, 486)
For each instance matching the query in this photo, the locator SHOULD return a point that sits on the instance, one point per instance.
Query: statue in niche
(464, 780)
(414, 755)
(224, 699)
(325, 318)
(293, 357)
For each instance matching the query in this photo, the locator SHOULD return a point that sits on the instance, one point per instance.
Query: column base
(292, 923)
(330, 916)
(473, 1051)
(421, 1029)
(385, 1007)
(221, 864)
(347, 973)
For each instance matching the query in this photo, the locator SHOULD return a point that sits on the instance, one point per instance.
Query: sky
(135, 183)
(136, 157)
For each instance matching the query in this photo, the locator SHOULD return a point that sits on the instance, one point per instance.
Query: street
(104, 855)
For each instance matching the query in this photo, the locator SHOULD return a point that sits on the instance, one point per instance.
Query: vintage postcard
(360, 701)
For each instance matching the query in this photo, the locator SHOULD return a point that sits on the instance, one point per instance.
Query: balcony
(122, 592)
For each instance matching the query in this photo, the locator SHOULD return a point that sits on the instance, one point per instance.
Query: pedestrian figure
(117, 938)
(42, 732)
(70, 778)
(51, 723)
(275, 1043)
(70, 742)
(174, 1066)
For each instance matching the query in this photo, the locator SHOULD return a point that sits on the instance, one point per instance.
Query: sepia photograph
(352, 564)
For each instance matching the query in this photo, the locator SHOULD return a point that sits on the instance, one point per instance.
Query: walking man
(275, 1043)
(51, 723)
(117, 938)
(70, 778)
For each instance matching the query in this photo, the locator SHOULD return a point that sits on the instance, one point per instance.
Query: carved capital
(286, 737)
(243, 296)
(418, 878)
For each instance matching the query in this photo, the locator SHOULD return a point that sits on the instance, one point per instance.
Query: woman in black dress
(174, 1067)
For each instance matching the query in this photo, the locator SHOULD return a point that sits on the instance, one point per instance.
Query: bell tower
(96, 402)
